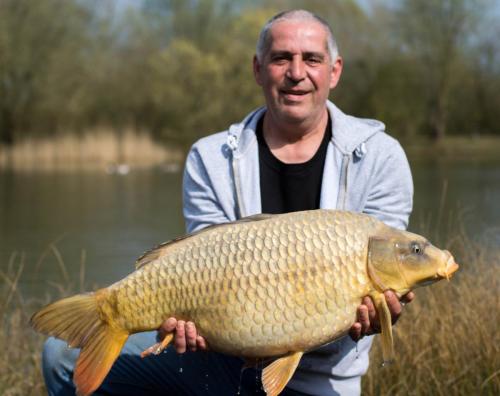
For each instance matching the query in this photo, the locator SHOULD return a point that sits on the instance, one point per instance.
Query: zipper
(241, 212)
(342, 198)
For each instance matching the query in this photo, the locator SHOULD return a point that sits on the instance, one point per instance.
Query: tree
(434, 31)
(35, 39)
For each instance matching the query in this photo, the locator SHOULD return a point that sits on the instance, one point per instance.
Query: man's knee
(58, 361)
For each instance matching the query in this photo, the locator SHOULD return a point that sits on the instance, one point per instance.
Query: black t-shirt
(290, 187)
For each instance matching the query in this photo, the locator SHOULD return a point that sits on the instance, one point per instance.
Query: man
(299, 152)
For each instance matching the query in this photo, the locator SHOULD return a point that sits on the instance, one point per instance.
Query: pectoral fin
(276, 375)
(384, 316)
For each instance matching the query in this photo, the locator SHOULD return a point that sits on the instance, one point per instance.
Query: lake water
(107, 220)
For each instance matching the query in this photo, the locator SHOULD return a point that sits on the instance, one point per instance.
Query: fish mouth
(450, 268)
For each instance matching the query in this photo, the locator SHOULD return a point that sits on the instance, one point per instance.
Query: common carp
(265, 287)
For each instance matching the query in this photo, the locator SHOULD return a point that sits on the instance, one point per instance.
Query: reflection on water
(113, 219)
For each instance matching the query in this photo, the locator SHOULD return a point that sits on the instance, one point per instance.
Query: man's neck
(294, 143)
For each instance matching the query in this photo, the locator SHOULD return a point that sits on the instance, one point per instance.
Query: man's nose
(296, 69)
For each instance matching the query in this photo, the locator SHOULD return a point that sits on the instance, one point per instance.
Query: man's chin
(294, 114)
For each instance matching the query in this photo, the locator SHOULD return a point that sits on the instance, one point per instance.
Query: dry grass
(447, 342)
(100, 148)
(20, 372)
(20, 366)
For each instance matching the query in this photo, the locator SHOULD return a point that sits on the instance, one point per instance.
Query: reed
(447, 341)
(20, 366)
(98, 148)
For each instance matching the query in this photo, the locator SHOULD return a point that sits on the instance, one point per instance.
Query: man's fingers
(180, 337)
(359, 329)
(372, 313)
(191, 336)
(355, 332)
(408, 298)
(393, 304)
(201, 343)
(186, 336)
(367, 317)
(167, 327)
(363, 319)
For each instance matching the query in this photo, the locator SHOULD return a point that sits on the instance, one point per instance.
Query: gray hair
(264, 37)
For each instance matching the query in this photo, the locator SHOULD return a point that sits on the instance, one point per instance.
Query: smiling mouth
(295, 93)
(294, 96)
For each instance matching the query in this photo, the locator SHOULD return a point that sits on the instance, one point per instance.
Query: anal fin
(277, 374)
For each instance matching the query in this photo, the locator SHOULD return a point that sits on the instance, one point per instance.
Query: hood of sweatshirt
(348, 133)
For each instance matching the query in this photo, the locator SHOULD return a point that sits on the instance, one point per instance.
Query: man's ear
(336, 72)
(257, 70)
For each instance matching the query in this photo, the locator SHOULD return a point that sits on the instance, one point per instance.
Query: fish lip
(450, 268)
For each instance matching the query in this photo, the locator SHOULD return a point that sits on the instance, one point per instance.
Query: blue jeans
(199, 373)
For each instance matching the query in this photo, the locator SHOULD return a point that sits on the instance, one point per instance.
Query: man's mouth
(293, 94)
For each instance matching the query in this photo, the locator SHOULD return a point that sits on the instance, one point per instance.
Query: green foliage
(434, 33)
(182, 69)
(40, 42)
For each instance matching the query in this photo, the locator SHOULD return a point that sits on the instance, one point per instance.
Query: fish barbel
(267, 286)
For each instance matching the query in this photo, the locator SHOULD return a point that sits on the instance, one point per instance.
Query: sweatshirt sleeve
(390, 197)
(200, 204)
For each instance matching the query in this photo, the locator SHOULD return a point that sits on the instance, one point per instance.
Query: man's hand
(367, 318)
(186, 337)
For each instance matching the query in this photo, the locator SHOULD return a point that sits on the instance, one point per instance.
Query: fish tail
(82, 323)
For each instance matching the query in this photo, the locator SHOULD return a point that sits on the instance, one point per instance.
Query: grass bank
(447, 341)
(95, 149)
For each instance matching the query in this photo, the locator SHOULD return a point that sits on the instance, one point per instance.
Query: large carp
(267, 286)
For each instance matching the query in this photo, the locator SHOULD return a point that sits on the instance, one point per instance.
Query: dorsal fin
(161, 249)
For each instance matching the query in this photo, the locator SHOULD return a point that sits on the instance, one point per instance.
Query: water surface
(108, 220)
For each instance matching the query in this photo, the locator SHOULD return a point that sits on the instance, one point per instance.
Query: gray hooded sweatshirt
(365, 170)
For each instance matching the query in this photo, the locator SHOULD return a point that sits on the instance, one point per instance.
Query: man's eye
(313, 61)
(279, 58)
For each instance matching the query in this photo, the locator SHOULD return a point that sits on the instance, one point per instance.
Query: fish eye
(416, 248)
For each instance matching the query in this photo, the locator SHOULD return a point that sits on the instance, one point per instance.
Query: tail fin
(80, 322)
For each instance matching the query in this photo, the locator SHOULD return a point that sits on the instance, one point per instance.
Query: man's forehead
(303, 35)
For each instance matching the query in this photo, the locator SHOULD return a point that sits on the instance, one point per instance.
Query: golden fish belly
(260, 288)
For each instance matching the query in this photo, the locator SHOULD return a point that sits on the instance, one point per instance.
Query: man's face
(296, 72)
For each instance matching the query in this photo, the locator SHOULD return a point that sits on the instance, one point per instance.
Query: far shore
(454, 148)
(100, 149)
(113, 153)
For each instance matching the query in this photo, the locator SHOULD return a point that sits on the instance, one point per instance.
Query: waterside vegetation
(104, 149)
(100, 149)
